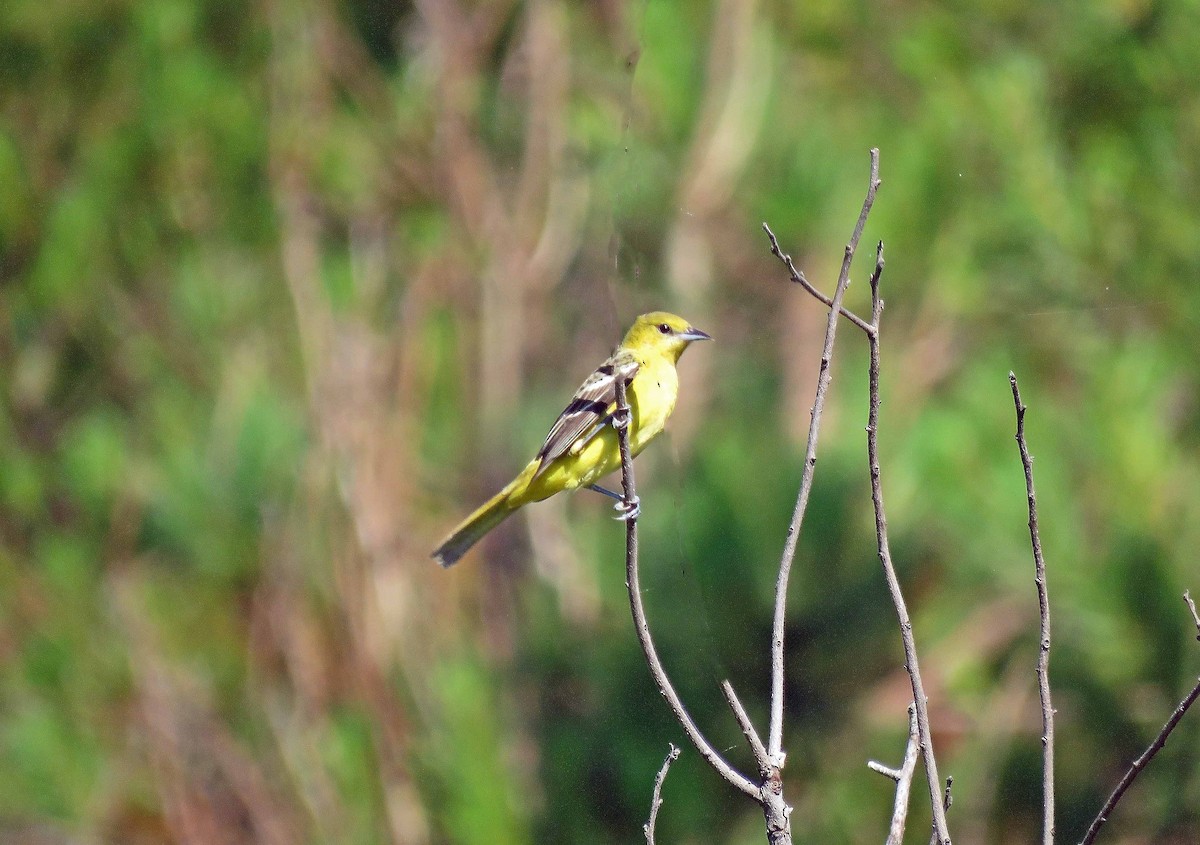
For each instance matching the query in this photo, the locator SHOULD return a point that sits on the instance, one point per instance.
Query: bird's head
(660, 330)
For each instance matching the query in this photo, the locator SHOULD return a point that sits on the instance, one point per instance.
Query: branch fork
(903, 777)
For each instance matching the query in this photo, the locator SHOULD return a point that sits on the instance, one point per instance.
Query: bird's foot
(628, 510)
(620, 418)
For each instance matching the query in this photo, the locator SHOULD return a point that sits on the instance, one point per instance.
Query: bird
(582, 446)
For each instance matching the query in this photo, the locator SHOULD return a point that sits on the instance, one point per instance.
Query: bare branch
(760, 753)
(880, 769)
(941, 833)
(903, 777)
(735, 778)
(799, 278)
(775, 742)
(1043, 667)
(656, 798)
(1140, 763)
(947, 803)
(1191, 603)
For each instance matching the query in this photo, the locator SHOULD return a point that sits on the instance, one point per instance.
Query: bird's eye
(664, 328)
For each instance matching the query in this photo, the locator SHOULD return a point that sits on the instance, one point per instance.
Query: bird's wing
(590, 410)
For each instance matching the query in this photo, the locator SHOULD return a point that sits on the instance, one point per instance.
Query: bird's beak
(693, 333)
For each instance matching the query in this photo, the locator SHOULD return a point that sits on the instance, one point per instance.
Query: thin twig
(775, 742)
(799, 278)
(880, 769)
(642, 628)
(756, 746)
(1187, 597)
(903, 777)
(1140, 763)
(1043, 667)
(947, 803)
(940, 831)
(656, 797)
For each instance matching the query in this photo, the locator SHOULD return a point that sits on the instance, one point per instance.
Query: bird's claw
(628, 510)
(620, 419)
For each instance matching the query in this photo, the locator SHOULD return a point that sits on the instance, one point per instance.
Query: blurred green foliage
(287, 288)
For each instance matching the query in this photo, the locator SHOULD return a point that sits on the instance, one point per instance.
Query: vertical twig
(903, 778)
(656, 797)
(775, 737)
(1043, 667)
(940, 831)
(629, 490)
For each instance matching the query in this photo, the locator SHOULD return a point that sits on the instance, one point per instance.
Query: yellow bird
(582, 445)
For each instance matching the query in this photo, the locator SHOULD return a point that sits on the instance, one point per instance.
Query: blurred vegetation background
(289, 287)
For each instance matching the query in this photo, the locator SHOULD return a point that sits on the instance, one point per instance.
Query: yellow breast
(652, 397)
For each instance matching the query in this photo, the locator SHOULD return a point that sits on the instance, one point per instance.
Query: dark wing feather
(590, 410)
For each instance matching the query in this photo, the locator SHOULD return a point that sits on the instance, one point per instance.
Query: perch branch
(642, 628)
(656, 797)
(1043, 667)
(775, 741)
(941, 833)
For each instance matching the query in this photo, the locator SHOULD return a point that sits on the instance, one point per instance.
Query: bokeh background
(289, 286)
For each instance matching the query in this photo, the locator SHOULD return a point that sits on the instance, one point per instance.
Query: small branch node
(903, 778)
(880, 768)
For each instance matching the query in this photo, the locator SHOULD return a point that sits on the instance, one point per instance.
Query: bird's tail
(490, 514)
